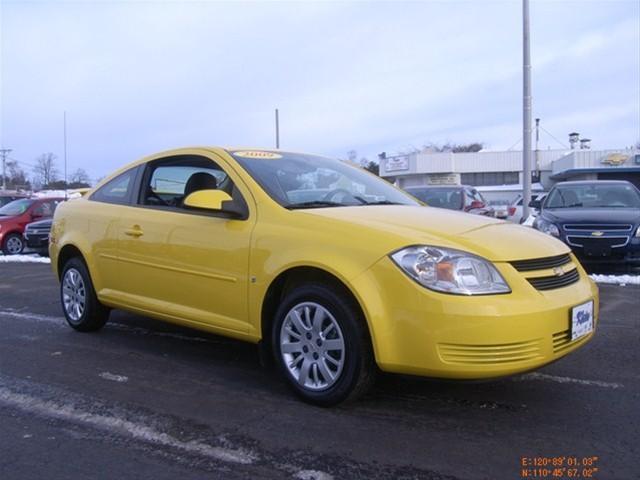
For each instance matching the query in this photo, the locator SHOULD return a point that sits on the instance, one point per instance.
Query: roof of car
(592, 182)
(415, 187)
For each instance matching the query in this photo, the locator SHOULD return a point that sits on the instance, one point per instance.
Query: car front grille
(541, 263)
(562, 341)
(598, 227)
(555, 281)
(597, 242)
(498, 354)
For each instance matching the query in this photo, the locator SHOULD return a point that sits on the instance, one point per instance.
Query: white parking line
(113, 377)
(138, 431)
(557, 379)
(60, 321)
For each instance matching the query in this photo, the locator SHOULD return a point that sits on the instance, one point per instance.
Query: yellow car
(333, 271)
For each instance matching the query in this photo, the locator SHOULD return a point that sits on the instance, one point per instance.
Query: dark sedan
(453, 197)
(599, 220)
(37, 236)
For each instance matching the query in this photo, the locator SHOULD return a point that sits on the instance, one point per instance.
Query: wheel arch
(295, 275)
(66, 253)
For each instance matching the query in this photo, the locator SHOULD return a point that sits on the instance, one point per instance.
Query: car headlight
(547, 227)
(450, 271)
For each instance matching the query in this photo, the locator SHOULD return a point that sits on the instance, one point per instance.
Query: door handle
(136, 231)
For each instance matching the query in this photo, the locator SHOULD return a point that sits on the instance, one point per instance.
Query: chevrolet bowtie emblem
(597, 234)
(559, 271)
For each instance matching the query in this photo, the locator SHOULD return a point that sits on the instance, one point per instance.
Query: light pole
(526, 111)
(4, 152)
(277, 129)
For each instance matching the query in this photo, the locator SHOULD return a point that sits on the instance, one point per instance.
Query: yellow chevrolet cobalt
(334, 272)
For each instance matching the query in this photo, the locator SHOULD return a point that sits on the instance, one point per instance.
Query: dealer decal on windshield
(257, 154)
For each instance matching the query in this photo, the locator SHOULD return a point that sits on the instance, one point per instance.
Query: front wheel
(322, 346)
(80, 305)
(13, 244)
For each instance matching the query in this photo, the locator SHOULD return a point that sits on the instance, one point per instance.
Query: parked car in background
(500, 207)
(453, 197)
(515, 208)
(333, 286)
(599, 220)
(15, 216)
(10, 197)
(36, 235)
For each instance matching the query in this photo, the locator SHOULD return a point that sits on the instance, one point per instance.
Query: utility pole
(526, 111)
(4, 152)
(277, 130)
(537, 150)
(64, 133)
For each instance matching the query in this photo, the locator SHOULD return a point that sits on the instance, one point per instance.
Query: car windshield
(17, 207)
(595, 195)
(450, 198)
(308, 181)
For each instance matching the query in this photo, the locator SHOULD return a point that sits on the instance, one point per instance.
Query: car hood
(592, 215)
(41, 224)
(401, 226)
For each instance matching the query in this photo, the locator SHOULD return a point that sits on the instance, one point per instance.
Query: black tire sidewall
(349, 323)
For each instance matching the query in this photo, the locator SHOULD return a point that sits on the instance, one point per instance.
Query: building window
(478, 179)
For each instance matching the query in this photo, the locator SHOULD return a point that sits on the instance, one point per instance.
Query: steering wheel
(157, 197)
(346, 194)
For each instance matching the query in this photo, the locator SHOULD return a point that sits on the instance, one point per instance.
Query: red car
(14, 216)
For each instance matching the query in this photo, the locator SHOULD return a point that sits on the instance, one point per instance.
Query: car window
(117, 190)
(168, 181)
(46, 209)
(594, 195)
(17, 207)
(309, 181)
(450, 198)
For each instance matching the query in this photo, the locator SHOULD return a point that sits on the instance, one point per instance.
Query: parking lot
(143, 399)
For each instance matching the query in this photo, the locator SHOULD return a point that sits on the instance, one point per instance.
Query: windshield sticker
(257, 154)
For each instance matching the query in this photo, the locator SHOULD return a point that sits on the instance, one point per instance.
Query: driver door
(185, 265)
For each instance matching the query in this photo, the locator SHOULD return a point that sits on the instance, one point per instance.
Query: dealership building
(502, 171)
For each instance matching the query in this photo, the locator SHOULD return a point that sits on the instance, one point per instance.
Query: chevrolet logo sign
(597, 234)
(559, 271)
(615, 159)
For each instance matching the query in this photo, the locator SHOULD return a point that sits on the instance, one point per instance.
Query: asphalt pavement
(146, 400)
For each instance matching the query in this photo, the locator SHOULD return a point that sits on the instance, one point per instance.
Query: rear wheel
(13, 244)
(80, 305)
(322, 346)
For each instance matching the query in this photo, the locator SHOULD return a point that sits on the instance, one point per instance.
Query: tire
(80, 305)
(322, 346)
(13, 244)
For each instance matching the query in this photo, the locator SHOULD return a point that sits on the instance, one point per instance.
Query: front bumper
(37, 241)
(421, 332)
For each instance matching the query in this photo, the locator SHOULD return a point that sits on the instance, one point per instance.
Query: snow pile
(23, 259)
(616, 279)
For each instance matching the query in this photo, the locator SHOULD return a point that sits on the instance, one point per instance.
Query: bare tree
(45, 170)
(80, 176)
(17, 177)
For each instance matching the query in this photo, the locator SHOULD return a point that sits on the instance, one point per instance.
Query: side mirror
(214, 201)
(537, 204)
(477, 204)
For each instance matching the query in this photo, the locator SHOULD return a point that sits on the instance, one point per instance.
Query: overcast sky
(139, 77)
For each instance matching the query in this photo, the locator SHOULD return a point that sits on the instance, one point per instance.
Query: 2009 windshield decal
(257, 154)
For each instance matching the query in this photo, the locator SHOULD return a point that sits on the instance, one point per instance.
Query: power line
(551, 135)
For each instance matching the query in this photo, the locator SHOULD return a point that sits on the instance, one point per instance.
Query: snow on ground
(616, 279)
(24, 259)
